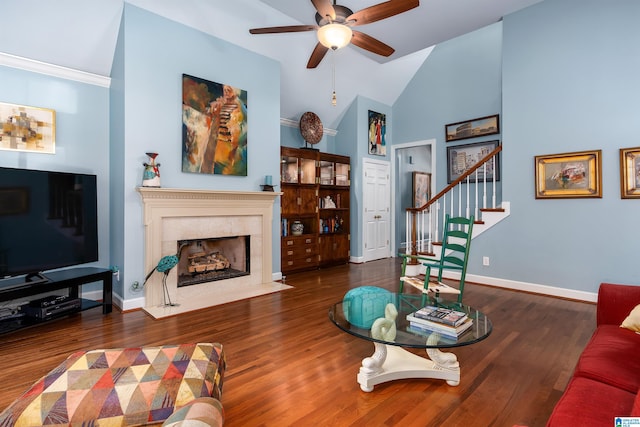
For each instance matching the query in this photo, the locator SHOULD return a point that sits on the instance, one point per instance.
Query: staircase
(472, 193)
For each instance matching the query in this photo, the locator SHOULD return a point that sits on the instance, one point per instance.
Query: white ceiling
(81, 34)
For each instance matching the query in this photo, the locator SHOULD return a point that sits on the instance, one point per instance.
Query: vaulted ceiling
(81, 34)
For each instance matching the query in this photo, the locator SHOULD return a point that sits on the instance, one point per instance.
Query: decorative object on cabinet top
(311, 128)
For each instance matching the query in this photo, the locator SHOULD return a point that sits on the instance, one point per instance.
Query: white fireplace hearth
(171, 215)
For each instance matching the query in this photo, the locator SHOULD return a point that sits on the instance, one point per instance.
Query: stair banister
(417, 231)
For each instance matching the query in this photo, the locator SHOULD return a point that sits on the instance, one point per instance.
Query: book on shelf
(421, 325)
(443, 315)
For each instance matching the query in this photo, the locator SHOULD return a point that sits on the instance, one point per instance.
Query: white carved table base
(390, 362)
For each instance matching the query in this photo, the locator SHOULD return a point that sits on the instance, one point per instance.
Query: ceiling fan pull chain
(334, 100)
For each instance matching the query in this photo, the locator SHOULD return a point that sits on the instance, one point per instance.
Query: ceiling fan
(334, 24)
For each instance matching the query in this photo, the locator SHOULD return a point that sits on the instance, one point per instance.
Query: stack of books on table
(445, 321)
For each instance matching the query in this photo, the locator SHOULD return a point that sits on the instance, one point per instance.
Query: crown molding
(53, 70)
(294, 124)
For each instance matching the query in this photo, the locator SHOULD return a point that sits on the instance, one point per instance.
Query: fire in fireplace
(212, 259)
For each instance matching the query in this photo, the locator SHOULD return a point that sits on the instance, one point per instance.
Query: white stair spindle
(484, 185)
(468, 200)
(495, 172)
(407, 249)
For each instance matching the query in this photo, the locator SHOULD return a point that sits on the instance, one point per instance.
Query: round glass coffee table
(382, 319)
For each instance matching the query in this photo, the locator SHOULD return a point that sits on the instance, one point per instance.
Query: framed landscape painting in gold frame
(569, 175)
(630, 173)
(24, 128)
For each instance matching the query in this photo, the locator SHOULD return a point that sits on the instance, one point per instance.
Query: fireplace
(213, 259)
(178, 215)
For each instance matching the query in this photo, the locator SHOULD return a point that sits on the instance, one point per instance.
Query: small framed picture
(630, 173)
(569, 175)
(24, 128)
(377, 133)
(421, 188)
(489, 125)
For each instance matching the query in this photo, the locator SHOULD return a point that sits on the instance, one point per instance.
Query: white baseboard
(529, 287)
(124, 305)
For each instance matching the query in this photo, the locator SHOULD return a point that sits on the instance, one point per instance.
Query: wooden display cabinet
(334, 209)
(315, 190)
(298, 203)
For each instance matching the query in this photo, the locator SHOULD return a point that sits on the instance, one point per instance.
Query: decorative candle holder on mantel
(268, 184)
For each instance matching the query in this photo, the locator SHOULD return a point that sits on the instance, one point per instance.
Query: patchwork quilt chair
(125, 387)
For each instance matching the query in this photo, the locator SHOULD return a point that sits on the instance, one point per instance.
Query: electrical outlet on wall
(485, 261)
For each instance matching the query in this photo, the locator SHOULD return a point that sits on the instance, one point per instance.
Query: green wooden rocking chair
(456, 242)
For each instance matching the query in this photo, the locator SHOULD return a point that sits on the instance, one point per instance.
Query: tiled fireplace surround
(176, 214)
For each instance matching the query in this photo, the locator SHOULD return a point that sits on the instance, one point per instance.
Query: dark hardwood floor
(287, 364)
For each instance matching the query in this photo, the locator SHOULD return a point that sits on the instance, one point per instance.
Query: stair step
(429, 253)
(491, 210)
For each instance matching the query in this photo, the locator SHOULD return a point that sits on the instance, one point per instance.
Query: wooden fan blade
(316, 56)
(324, 8)
(285, 29)
(371, 44)
(381, 11)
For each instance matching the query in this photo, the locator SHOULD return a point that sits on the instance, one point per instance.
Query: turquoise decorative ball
(363, 305)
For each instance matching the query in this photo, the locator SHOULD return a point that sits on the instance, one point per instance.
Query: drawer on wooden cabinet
(299, 251)
(298, 241)
(299, 263)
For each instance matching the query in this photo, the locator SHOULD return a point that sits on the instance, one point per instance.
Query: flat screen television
(48, 220)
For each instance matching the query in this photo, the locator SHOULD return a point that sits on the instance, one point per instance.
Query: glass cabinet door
(307, 171)
(289, 169)
(342, 174)
(326, 173)
(297, 169)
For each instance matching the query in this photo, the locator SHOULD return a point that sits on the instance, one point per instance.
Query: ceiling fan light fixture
(334, 36)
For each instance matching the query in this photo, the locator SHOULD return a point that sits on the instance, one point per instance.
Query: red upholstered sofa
(606, 380)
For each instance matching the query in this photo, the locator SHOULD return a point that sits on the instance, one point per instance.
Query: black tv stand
(72, 279)
(34, 278)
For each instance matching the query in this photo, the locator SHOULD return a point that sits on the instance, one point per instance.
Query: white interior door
(377, 206)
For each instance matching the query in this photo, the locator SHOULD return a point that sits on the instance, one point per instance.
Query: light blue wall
(116, 170)
(460, 80)
(82, 134)
(570, 83)
(155, 53)
(563, 74)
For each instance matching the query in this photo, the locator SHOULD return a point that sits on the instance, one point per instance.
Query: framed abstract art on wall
(24, 128)
(214, 127)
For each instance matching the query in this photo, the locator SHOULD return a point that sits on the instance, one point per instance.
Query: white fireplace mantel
(171, 214)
